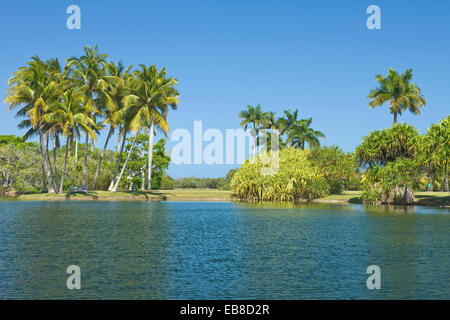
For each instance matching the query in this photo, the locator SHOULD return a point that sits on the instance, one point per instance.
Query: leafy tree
(137, 164)
(381, 147)
(434, 150)
(390, 157)
(18, 169)
(340, 169)
(391, 184)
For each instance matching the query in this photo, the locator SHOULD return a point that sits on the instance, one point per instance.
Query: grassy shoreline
(437, 199)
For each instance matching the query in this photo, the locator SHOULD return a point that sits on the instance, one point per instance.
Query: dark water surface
(180, 250)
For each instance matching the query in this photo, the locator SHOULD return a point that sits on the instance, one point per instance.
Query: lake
(192, 250)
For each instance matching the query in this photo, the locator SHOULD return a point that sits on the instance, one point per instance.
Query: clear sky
(317, 56)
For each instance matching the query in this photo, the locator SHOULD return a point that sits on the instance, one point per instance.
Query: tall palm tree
(156, 92)
(69, 117)
(301, 133)
(398, 90)
(136, 117)
(111, 100)
(34, 87)
(288, 121)
(255, 118)
(89, 73)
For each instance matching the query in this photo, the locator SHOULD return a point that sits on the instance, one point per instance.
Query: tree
(88, 71)
(340, 169)
(381, 147)
(36, 88)
(398, 90)
(255, 118)
(434, 150)
(390, 157)
(69, 117)
(300, 133)
(111, 101)
(288, 121)
(154, 91)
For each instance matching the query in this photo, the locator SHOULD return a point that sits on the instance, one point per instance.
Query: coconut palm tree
(301, 133)
(70, 118)
(35, 87)
(156, 92)
(88, 71)
(398, 90)
(136, 117)
(111, 100)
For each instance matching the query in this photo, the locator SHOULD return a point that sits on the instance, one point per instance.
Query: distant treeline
(211, 183)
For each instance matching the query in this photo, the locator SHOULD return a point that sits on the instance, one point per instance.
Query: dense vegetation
(85, 96)
(301, 176)
(389, 164)
(399, 160)
(20, 169)
(90, 94)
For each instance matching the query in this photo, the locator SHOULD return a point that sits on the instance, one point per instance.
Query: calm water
(170, 250)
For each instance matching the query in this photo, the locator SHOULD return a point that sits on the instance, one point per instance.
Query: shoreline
(433, 199)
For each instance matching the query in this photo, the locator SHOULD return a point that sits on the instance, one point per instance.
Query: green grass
(198, 194)
(159, 195)
(346, 196)
(440, 199)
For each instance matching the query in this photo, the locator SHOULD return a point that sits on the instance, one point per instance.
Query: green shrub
(296, 179)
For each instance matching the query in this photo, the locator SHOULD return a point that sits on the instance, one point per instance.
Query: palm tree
(155, 92)
(89, 72)
(398, 90)
(301, 133)
(136, 117)
(288, 121)
(111, 100)
(256, 118)
(35, 87)
(69, 117)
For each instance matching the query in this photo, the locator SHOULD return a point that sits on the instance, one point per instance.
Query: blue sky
(317, 56)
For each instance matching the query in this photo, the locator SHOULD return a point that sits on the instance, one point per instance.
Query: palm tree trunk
(150, 154)
(49, 177)
(446, 179)
(395, 118)
(61, 185)
(41, 150)
(84, 186)
(55, 152)
(50, 166)
(101, 157)
(119, 159)
(143, 179)
(126, 162)
(76, 149)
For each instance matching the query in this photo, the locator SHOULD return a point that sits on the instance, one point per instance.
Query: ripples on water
(179, 250)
